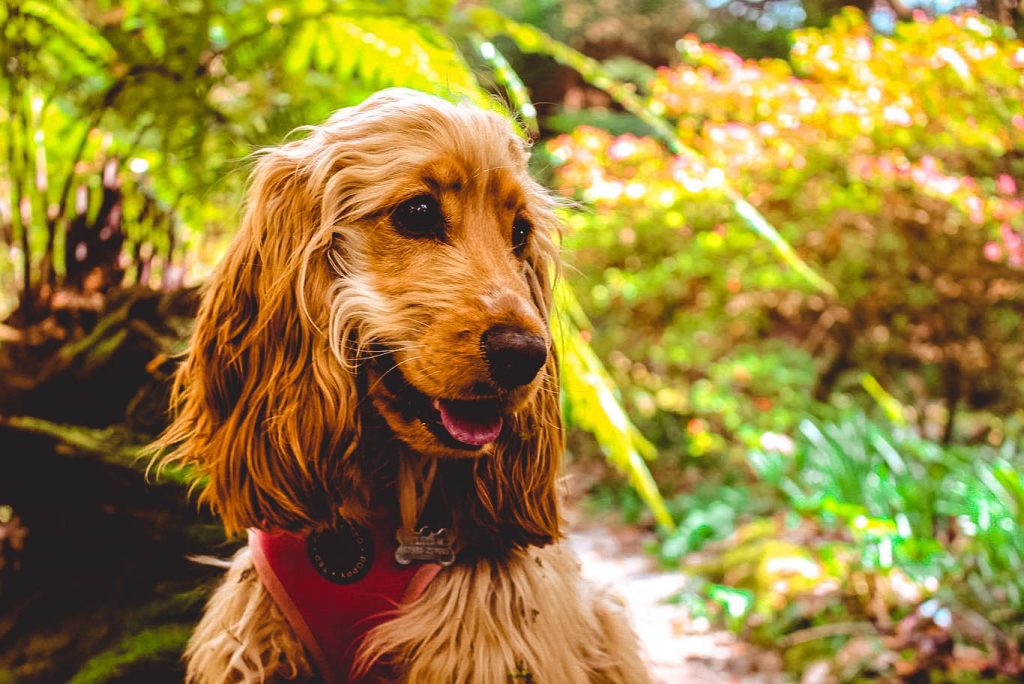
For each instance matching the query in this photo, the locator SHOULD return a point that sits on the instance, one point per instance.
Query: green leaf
(64, 19)
(391, 51)
(893, 409)
(156, 643)
(300, 51)
(591, 392)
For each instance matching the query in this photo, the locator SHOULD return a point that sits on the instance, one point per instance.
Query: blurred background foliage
(792, 316)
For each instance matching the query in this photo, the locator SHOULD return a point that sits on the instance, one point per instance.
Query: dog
(371, 382)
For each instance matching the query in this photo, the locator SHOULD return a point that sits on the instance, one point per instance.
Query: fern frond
(64, 22)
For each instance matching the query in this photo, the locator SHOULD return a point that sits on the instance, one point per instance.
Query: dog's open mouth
(466, 424)
(475, 423)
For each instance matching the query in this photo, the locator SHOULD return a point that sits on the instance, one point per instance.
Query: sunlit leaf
(590, 391)
(64, 19)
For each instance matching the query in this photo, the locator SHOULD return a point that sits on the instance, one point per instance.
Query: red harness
(331, 619)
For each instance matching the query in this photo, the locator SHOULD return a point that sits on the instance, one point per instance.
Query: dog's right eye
(419, 217)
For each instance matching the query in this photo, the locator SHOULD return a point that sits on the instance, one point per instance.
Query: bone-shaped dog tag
(424, 545)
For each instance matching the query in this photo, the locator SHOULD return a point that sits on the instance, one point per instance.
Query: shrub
(890, 163)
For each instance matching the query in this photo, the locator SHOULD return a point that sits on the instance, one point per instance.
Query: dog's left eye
(419, 217)
(521, 229)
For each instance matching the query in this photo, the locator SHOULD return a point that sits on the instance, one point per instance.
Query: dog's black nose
(513, 355)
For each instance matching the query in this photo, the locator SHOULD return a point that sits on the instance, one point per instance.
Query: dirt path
(679, 650)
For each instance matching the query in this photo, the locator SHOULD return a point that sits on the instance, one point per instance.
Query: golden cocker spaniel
(372, 378)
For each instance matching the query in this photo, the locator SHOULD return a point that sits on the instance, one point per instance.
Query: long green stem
(509, 79)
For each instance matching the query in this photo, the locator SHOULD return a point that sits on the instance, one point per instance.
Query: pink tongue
(475, 423)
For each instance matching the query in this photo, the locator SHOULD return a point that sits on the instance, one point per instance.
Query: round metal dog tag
(342, 555)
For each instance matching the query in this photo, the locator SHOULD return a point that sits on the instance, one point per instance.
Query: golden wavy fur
(343, 318)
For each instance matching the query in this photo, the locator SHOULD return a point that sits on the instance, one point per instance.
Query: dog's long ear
(261, 406)
(516, 500)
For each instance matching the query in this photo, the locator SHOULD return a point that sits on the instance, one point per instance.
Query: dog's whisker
(362, 349)
(386, 373)
(365, 356)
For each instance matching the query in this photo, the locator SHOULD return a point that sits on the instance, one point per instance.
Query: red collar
(329, 618)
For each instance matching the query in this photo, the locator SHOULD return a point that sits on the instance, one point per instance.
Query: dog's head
(397, 257)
